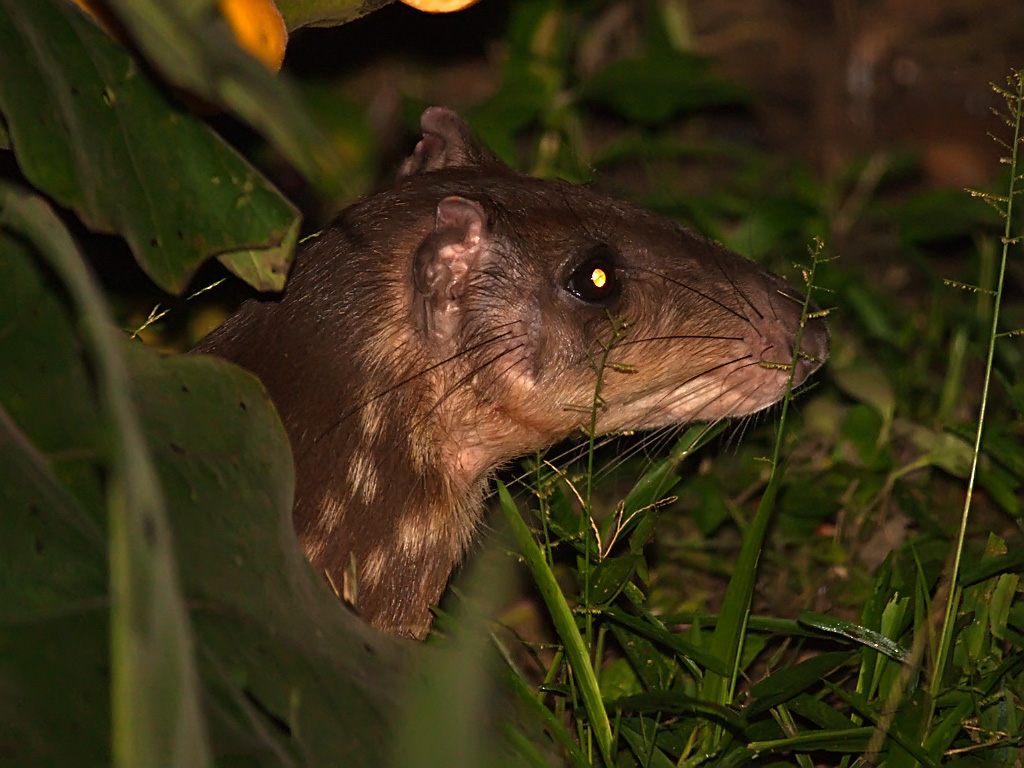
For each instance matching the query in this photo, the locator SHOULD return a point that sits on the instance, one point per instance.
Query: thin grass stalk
(565, 624)
(1015, 102)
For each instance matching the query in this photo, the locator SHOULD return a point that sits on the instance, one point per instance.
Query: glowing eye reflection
(594, 280)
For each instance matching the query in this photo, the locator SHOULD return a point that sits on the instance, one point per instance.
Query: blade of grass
(727, 639)
(855, 632)
(882, 725)
(785, 721)
(596, 407)
(565, 624)
(676, 703)
(660, 478)
(845, 740)
(652, 629)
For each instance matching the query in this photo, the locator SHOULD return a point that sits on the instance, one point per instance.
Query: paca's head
(513, 289)
(466, 316)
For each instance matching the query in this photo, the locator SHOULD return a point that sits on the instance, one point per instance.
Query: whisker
(678, 337)
(707, 297)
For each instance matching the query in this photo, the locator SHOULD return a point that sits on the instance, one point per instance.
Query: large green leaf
(92, 130)
(154, 689)
(264, 620)
(50, 491)
(53, 560)
(55, 672)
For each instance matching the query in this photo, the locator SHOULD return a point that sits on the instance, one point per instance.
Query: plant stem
(1016, 103)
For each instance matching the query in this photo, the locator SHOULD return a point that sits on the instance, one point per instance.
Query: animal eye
(594, 280)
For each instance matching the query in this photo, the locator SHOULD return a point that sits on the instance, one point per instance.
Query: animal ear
(446, 143)
(446, 260)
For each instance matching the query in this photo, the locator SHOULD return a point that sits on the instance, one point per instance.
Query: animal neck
(389, 505)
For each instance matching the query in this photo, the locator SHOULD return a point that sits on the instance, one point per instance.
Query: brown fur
(427, 337)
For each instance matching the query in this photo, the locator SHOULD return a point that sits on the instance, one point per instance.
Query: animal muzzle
(775, 328)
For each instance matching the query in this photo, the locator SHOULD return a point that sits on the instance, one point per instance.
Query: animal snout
(814, 344)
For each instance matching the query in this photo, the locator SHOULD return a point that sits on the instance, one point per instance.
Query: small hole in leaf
(149, 531)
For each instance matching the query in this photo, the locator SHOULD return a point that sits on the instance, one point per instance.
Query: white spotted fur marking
(374, 565)
(371, 418)
(363, 479)
(331, 512)
(412, 535)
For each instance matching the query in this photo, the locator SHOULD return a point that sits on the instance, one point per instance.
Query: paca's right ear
(446, 143)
